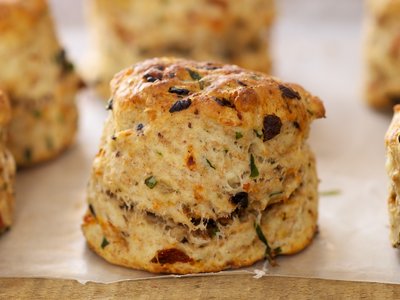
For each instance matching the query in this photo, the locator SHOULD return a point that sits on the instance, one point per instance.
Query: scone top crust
(226, 94)
(5, 110)
(189, 140)
(15, 14)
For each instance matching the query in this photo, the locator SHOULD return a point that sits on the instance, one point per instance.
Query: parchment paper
(317, 44)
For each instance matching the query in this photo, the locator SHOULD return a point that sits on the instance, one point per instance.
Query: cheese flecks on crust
(197, 162)
(7, 168)
(382, 53)
(39, 80)
(392, 142)
(125, 32)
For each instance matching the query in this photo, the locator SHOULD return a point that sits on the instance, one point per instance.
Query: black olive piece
(272, 125)
(224, 102)
(178, 91)
(241, 199)
(139, 127)
(180, 105)
(289, 93)
(149, 78)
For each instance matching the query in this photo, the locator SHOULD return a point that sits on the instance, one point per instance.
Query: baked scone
(39, 80)
(7, 168)
(392, 143)
(124, 32)
(382, 53)
(202, 167)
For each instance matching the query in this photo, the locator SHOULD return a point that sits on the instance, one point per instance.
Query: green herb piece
(269, 252)
(49, 143)
(37, 114)
(259, 135)
(28, 154)
(92, 210)
(104, 243)
(151, 182)
(61, 118)
(253, 168)
(110, 104)
(238, 135)
(210, 164)
(226, 151)
(61, 59)
(334, 192)
(194, 74)
(275, 194)
(159, 153)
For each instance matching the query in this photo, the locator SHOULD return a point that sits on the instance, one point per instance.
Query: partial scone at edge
(7, 169)
(392, 141)
(202, 167)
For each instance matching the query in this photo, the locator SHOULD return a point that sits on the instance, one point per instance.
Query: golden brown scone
(392, 141)
(199, 161)
(127, 31)
(39, 80)
(382, 53)
(7, 168)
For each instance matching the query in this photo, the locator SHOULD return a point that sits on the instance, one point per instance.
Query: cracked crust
(192, 156)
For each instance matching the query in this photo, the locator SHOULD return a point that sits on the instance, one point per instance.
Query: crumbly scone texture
(39, 80)
(125, 32)
(7, 168)
(392, 143)
(199, 161)
(382, 53)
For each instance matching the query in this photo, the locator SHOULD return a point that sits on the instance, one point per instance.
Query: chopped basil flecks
(28, 154)
(110, 104)
(334, 192)
(253, 168)
(194, 74)
(37, 114)
(259, 135)
(269, 252)
(275, 194)
(104, 243)
(238, 135)
(151, 182)
(210, 164)
(92, 210)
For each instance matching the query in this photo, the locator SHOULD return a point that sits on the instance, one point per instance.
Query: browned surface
(216, 287)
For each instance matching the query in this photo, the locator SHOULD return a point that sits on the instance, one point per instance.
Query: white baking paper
(317, 44)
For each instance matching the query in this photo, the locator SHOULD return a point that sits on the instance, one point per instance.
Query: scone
(382, 53)
(7, 168)
(39, 80)
(392, 142)
(124, 32)
(202, 167)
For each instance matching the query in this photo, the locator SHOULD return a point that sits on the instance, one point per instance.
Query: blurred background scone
(202, 167)
(39, 80)
(7, 168)
(382, 51)
(124, 32)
